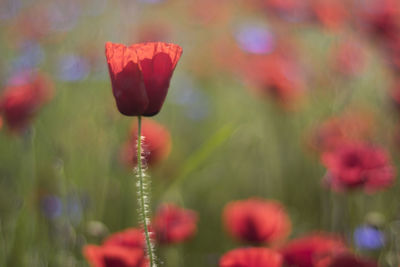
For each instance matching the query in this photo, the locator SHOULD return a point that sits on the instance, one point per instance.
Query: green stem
(142, 197)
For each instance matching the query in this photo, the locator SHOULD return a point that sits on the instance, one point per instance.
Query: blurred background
(260, 89)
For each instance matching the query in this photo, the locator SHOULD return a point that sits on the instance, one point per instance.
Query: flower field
(176, 133)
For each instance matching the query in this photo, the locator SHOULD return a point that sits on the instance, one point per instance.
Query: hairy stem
(142, 196)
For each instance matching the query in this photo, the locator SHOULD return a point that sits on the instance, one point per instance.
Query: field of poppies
(269, 133)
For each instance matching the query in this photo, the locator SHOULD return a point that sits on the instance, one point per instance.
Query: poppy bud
(140, 75)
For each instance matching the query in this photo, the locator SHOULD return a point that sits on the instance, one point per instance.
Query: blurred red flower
(333, 14)
(304, 251)
(349, 58)
(349, 127)
(276, 76)
(345, 260)
(22, 99)
(381, 18)
(156, 144)
(114, 256)
(209, 11)
(251, 257)
(140, 75)
(129, 238)
(355, 165)
(173, 224)
(257, 221)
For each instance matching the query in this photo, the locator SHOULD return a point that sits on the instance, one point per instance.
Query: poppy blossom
(114, 256)
(381, 18)
(257, 221)
(22, 99)
(331, 13)
(345, 260)
(278, 76)
(140, 75)
(156, 144)
(251, 257)
(130, 238)
(355, 165)
(305, 251)
(210, 12)
(349, 58)
(348, 127)
(173, 224)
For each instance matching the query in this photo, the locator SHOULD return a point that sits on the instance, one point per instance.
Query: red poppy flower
(114, 256)
(156, 144)
(209, 11)
(173, 224)
(355, 165)
(276, 76)
(140, 75)
(349, 58)
(303, 252)
(349, 127)
(256, 220)
(22, 99)
(331, 13)
(345, 260)
(129, 238)
(382, 18)
(251, 257)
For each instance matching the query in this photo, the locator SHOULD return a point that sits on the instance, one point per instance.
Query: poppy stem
(143, 199)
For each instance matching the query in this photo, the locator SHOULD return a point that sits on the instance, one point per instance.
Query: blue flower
(368, 238)
(255, 39)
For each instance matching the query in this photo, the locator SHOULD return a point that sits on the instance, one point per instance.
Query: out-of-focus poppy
(333, 14)
(355, 165)
(251, 257)
(129, 238)
(257, 221)
(381, 18)
(114, 256)
(140, 75)
(350, 126)
(209, 11)
(173, 224)
(344, 260)
(349, 58)
(23, 97)
(156, 144)
(32, 23)
(305, 251)
(276, 76)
